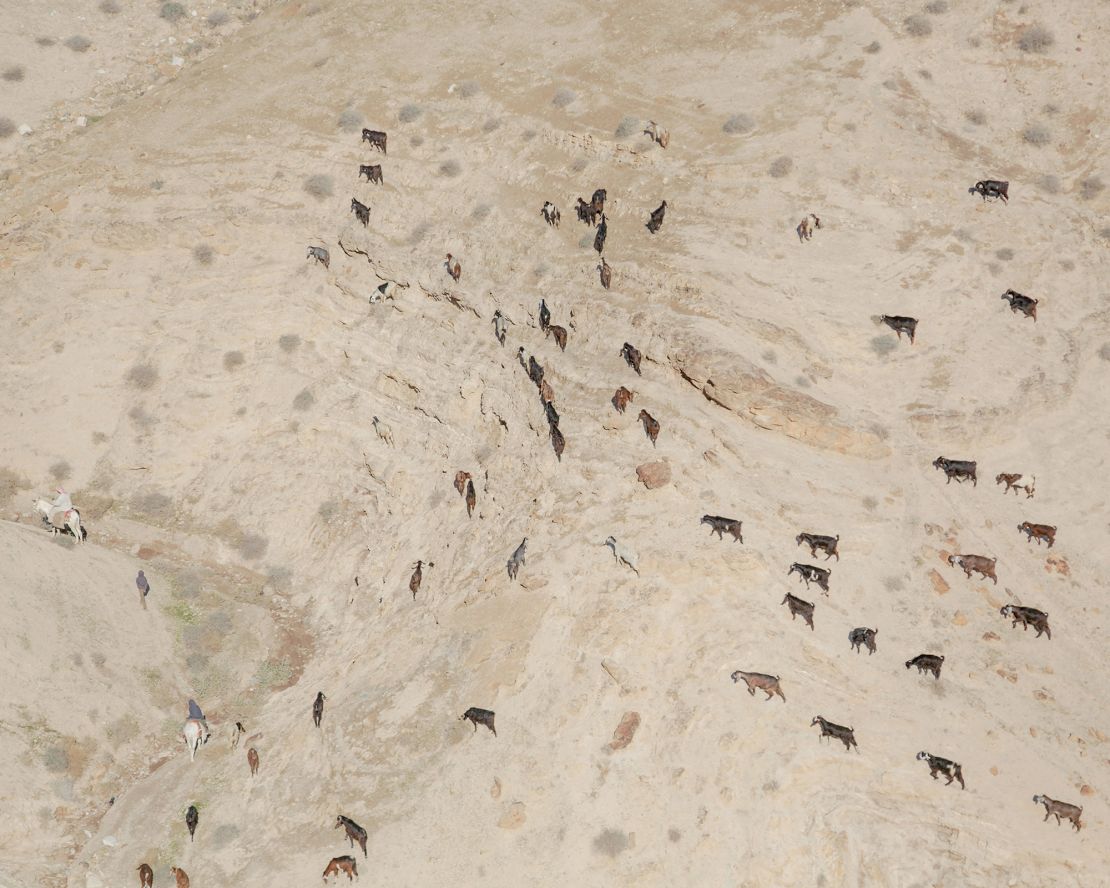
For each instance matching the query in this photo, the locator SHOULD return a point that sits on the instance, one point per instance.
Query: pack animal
(361, 211)
(517, 558)
(550, 214)
(355, 833)
(372, 173)
(622, 398)
(346, 864)
(623, 555)
(631, 356)
(721, 526)
(799, 606)
(1061, 810)
(900, 324)
(938, 765)
(991, 188)
(979, 563)
(810, 573)
(651, 426)
(806, 227)
(769, 684)
(376, 138)
(863, 637)
(847, 736)
(478, 716)
(1027, 616)
(815, 541)
(1027, 305)
(927, 663)
(60, 520)
(960, 469)
(321, 255)
(656, 220)
(1038, 532)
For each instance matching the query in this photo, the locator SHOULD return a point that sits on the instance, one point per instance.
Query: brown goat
(769, 684)
(454, 268)
(346, 863)
(622, 398)
(547, 393)
(1060, 809)
(252, 760)
(471, 498)
(461, 478)
(1038, 532)
(606, 273)
(180, 876)
(799, 606)
(146, 876)
(979, 563)
(559, 334)
(558, 442)
(1011, 481)
(1027, 616)
(651, 426)
(415, 580)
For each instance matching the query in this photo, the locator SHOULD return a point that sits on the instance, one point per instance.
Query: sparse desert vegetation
(14, 73)
(172, 11)
(918, 26)
(319, 186)
(563, 97)
(739, 125)
(78, 43)
(1036, 39)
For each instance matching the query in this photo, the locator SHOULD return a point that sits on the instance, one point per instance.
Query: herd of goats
(592, 213)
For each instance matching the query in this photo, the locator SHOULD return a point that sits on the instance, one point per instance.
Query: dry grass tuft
(739, 125)
(1036, 38)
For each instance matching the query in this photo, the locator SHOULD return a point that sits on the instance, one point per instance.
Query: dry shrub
(350, 121)
(142, 376)
(1036, 38)
(468, 89)
(1005, 254)
(289, 342)
(918, 26)
(937, 7)
(490, 125)
(450, 168)
(304, 400)
(203, 254)
(56, 759)
(611, 842)
(873, 47)
(976, 116)
(172, 11)
(1090, 188)
(233, 360)
(883, 345)
(319, 186)
(1036, 134)
(739, 124)
(14, 74)
(1049, 184)
(218, 18)
(153, 505)
(629, 126)
(409, 113)
(78, 43)
(480, 212)
(7, 127)
(11, 483)
(45, 41)
(109, 7)
(781, 166)
(1104, 351)
(60, 471)
(563, 97)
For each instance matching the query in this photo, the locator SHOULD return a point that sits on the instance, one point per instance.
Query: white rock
(177, 61)
(25, 129)
(110, 841)
(82, 121)
(92, 880)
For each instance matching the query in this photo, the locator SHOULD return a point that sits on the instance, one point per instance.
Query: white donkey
(195, 733)
(60, 519)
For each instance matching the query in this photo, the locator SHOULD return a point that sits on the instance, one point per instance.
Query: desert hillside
(207, 394)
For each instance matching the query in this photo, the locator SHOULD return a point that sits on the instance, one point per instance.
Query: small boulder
(625, 731)
(654, 474)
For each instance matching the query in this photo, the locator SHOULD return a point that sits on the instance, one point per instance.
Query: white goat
(623, 554)
(384, 431)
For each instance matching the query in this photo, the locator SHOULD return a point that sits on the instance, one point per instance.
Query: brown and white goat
(938, 765)
(346, 864)
(979, 563)
(454, 268)
(1038, 532)
(1027, 616)
(805, 229)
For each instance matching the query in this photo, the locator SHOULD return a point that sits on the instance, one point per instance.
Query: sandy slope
(214, 408)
